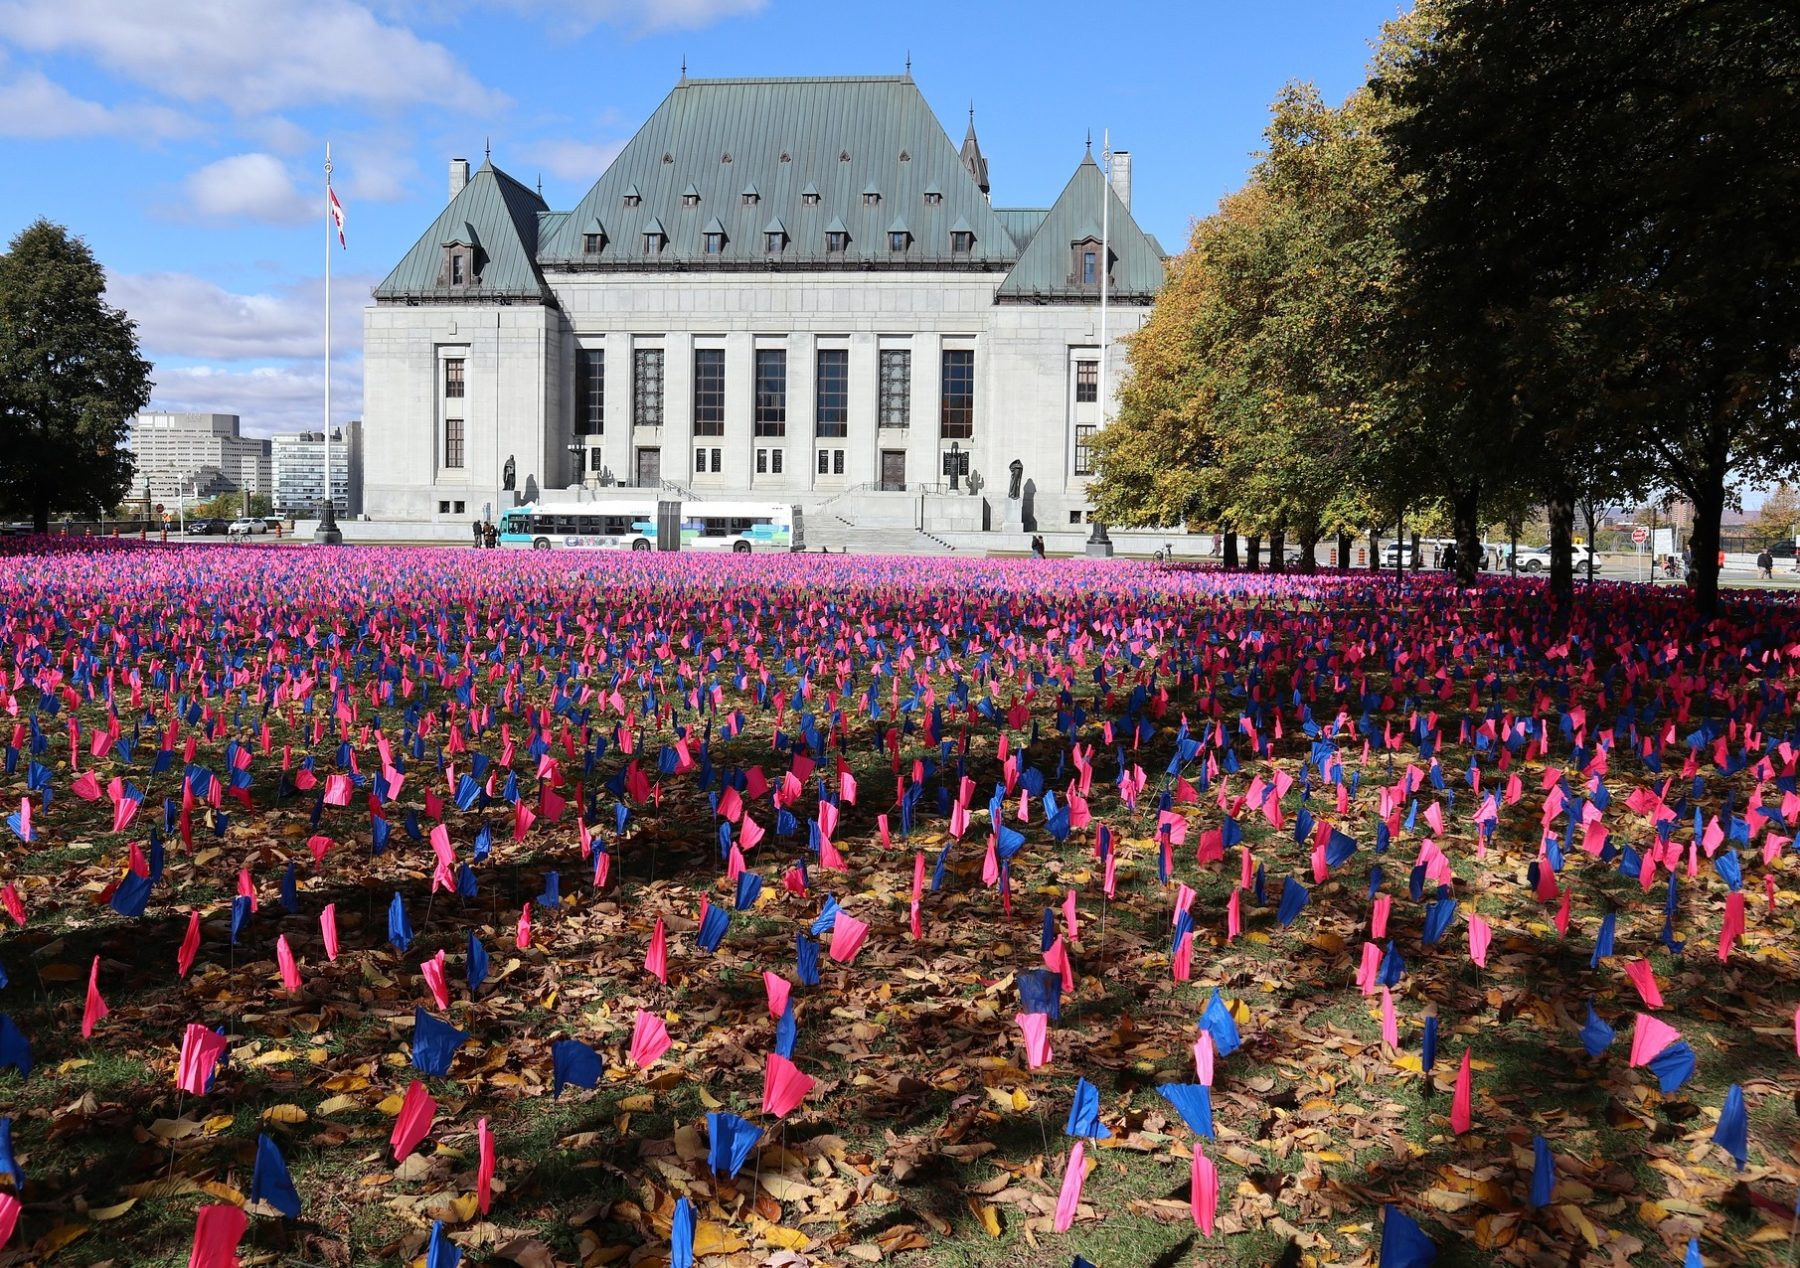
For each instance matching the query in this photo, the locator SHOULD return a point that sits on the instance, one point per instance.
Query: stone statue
(509, 474)
(1018, 478)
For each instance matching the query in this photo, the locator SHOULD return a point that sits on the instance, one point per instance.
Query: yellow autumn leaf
(711, 1238)
(710, 1101)
(285, 1114)
(990, 1219)
(101, 1214)
(390, 1104)
(338, 1104)
(638, 1104)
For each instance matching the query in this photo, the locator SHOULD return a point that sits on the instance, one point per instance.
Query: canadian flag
(336, 210)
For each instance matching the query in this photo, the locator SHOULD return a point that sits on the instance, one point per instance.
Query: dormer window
(1085, 265)
(632, 200)
(654, 242)
(774, 241)
(590, 244)
(871, 198)
(962, 242)
(1089, 267)
(836, 242)
(751, 197)
(810, 199)
(933, 198)
(457, 275)
(898, 240)
(690, 200)
(715, 243)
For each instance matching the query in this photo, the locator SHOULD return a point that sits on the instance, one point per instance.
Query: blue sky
(184, 139)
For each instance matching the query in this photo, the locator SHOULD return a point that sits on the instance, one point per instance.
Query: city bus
(739, 527)
(580, 525)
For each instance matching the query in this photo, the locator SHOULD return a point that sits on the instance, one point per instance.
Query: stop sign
(1639, 535)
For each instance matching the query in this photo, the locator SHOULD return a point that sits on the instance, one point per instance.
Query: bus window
(590, 525)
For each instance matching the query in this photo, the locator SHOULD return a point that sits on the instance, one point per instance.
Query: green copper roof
(838, 136)
(500, 218)
(1045, 272)
(1021, 222)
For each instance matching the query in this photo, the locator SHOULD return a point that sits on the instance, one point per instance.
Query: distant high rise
(299, 467)
(196, 454)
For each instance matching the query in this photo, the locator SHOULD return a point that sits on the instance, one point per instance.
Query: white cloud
(35, 107)
(572, 160)
(644, 16)
(246, 187)
(267, 398)
(251, 55)
(187, 317)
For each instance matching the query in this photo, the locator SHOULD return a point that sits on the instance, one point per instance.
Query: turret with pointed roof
(481, 248)
(972, 158)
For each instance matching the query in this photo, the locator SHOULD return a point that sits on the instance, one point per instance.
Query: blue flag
(1603, 941)
(240, 916)
(1294, 897)
(749, 889)
(729, 1142)
(787, 1031)
(712, 927)
(552, 895)
(1193, 1101)
(1084, 1113)
(1673, 1066)
(1596, 1036)
(132, 895)
(434, 1043)
(806, 960)
(441, 1252)
(574, 1062)
(1733, 1133)
(1543, 1172)
(270, 1182)
(1403, 1242)
(681, 1236)
(1221, 1025)
(477, 968)
(8, 1163)
(1428, 1044)
(400, 933)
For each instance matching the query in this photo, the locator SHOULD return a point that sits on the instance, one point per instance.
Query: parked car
(205, 528)
(246, 525)
(1397, 555)
(1537, 559)
(1783, 549)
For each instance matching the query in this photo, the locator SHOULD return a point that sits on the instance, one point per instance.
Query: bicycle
(1165, 554)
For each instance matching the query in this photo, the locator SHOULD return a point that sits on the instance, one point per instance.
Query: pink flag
(784, 1086)
(649, 1039)
(847, 937)
(1071, 925)
(433, 969)
(190, 945)
(284, 960)
(751, 832)
(417, 1109)
(1203, 1195)
(1481, 935)
(1183, 966)
(1370, 969)
(522, 938)
(1645, 980)
(1462, 1116)
(328, 927)
(484, 1172)
(1390, 1024)
(1057, 960)
(1073, 1174)
(1649, 1037)
(95, 1008)
(1203, 1058)
(1037, 1038)
(319, 844)
(656, 960)
(778, 988)
(200, 1049)
(217, 1232)
(9, 1217)
(1234, 915)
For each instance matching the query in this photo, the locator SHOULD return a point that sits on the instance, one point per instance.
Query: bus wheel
(740, 548)
(641, 544)
(542, 543)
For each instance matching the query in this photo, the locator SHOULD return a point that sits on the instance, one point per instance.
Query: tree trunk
(1253, 555)
(1560, 507)
(1278, 550)
(1229, 555)
(1309, 545)
(1400, 545)
(1375, 549)
(1418, 554)
(1513, 529)
(1465, 503)
(1709, 506)
(1343, 551)
(1590, 513)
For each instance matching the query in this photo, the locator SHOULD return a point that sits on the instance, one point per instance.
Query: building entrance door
(649, 468)
(893, 470)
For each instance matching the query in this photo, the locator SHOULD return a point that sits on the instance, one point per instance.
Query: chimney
(1121, 176)
(459, 176)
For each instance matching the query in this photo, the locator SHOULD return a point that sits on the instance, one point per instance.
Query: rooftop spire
(971, 154)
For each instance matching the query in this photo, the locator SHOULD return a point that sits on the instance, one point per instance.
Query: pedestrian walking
(477, 527)
(1765, 564)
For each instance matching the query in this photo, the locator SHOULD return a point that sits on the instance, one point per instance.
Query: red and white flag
(336, 210)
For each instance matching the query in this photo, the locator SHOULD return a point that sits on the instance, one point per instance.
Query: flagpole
(327, 533)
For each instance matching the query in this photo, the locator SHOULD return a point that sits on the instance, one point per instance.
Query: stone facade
(509, 364)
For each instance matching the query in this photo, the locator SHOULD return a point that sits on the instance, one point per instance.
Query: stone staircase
(839, 534)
